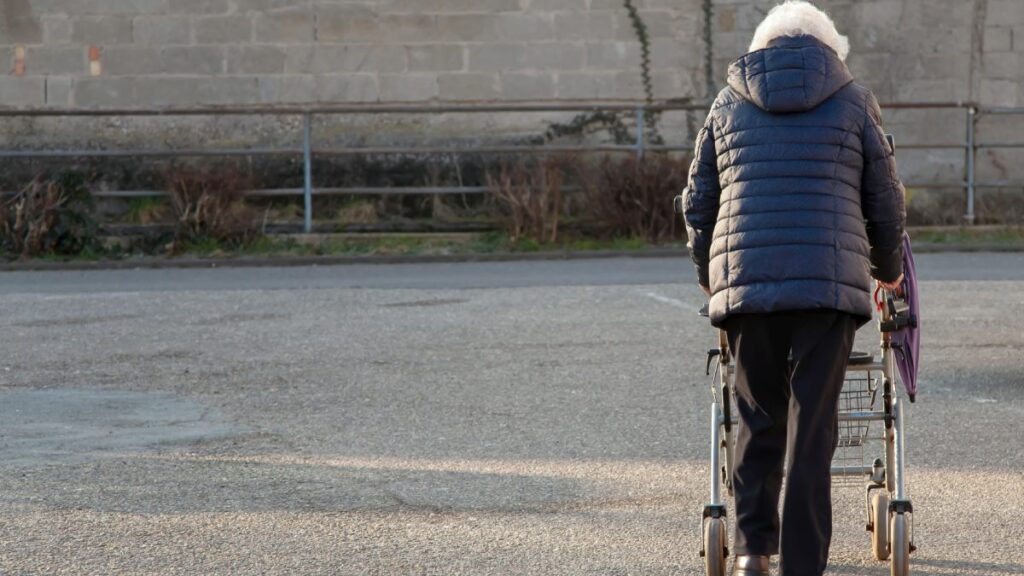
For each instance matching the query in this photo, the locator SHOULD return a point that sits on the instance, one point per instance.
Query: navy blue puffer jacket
(793, 200)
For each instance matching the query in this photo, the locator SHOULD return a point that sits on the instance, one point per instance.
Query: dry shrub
(633, 197)
(48, 217)
(210, 206)
(934, 206)
(1001, 206)
(530, 195)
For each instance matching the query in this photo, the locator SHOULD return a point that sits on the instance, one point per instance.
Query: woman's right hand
(893, 286)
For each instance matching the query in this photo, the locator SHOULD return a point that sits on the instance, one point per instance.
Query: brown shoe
(750, 566)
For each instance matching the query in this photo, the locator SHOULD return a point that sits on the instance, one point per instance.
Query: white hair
(797, 18)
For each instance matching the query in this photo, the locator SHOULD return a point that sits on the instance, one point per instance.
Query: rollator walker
(869, 449)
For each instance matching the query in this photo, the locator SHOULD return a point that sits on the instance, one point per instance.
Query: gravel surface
(512, 418)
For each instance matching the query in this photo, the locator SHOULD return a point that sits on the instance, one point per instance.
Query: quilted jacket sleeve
(882, 198)
(701, 200)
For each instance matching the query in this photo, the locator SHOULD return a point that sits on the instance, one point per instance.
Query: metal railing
(975, 113)
(308, 113)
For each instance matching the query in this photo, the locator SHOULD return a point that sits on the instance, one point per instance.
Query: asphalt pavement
(490, 418)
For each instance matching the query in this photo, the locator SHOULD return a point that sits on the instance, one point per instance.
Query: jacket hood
(793, 74)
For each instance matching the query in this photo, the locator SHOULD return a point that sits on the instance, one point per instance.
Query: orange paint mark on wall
(95, 65)
(19, 60)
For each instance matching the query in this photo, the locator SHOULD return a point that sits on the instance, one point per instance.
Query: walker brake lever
(712, 354)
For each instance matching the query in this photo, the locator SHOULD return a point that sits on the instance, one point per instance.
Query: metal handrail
(641, 109)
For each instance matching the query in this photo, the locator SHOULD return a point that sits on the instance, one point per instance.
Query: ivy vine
(709, 49)
(640, 29)
(612, 121)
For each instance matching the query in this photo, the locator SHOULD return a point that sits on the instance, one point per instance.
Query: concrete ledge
(289, 261)
(278, 261)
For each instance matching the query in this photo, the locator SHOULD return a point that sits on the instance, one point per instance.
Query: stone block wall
(128, 53)
(909, 50)
(209, 52)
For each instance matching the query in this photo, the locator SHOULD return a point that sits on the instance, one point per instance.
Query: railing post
(972, 114)
(641, 137)
(307, 160)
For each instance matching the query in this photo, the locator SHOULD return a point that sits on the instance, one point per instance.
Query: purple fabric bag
(906, 342)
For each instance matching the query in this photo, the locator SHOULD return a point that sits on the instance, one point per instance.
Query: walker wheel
(899, 539)
(880, 525)
(714, 546)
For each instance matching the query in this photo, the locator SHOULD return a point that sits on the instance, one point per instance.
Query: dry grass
(364, 212)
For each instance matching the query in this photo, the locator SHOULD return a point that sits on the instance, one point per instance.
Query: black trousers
(790, 368)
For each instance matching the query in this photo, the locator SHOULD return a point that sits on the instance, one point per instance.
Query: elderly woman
(793, 205)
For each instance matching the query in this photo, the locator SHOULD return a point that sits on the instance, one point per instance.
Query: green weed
(147, 210)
